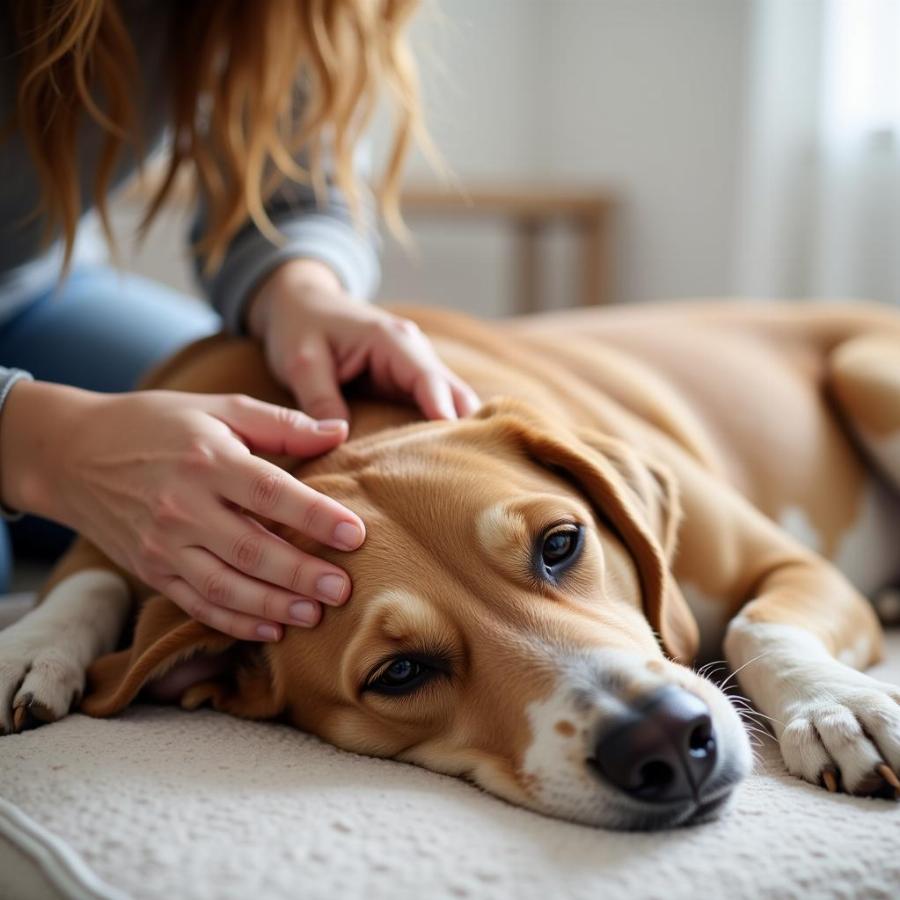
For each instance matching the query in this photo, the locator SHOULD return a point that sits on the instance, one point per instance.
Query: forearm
(291, 278)
(327, 234)
(35, 419)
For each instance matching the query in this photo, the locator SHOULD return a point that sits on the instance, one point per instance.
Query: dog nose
(663, 750)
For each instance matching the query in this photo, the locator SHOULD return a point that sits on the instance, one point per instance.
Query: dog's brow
(401, 615)
(498, 527)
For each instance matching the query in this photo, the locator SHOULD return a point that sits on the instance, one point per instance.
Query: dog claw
(20, 717)
(830, 780)
(888, 774)
(30, 713)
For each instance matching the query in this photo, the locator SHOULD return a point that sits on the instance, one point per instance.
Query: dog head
(513, 621)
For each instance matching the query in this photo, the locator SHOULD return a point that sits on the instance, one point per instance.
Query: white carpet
(165, 804)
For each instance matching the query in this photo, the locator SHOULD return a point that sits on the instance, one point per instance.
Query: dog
(643, 487)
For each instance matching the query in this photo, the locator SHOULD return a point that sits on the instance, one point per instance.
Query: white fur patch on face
(825, 715)
(554, 766)
(591, 692)
(44, 656)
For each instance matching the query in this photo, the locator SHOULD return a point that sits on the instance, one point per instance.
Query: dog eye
(400, 675)
(559, 548)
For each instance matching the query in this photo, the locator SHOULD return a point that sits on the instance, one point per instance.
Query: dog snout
(662, 750)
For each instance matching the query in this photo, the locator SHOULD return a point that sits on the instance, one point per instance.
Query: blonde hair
(257, 83)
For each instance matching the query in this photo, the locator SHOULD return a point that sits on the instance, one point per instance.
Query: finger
(465, 400)
(270, 492)
(268, 428)
(243, 544)
(313, 380)
(242, 627)
(432, 392)
(354, 364)
(227, 588)
(415, 369)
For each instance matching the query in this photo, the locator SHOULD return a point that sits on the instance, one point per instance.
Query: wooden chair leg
(529, 280)
(595, 261)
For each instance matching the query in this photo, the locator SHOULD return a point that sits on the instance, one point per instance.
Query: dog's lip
(708, 808)
(695, 811)
(684, 815)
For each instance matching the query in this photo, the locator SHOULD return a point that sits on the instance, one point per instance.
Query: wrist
(296, 278)
(36, 417)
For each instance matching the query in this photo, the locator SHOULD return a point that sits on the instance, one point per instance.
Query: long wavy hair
(257, 84)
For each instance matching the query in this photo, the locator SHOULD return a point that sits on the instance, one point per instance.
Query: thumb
(268, 428)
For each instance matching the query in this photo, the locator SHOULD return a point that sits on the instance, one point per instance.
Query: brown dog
(527, 601)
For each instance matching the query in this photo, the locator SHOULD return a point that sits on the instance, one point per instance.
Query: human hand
(317, 338)
(162, 482)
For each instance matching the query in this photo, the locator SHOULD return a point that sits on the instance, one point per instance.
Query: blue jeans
(100, 330)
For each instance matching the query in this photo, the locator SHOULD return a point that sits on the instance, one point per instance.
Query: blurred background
(631, 150)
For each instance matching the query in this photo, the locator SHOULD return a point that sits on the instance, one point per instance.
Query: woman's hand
(160, 482)
(317, 338)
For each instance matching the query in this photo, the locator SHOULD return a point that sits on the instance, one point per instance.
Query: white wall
(646, 95)
(649, 95)
(481, 92)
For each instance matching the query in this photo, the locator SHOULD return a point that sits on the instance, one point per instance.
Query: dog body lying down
(641, 484)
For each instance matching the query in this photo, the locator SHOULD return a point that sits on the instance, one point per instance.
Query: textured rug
(160, 804)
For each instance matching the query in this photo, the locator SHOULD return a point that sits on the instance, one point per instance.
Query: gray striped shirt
(29, 268)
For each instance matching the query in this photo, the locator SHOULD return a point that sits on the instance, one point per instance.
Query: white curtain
(820, 208)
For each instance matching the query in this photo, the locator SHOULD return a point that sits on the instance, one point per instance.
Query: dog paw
(39, 680)
(846, 736)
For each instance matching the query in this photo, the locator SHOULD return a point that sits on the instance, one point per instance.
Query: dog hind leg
(864, 378)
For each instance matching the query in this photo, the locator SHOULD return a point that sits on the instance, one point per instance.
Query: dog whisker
(741, 668)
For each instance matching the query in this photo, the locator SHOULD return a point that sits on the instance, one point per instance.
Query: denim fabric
(100, 330)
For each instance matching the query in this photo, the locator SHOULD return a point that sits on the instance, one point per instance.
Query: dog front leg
(45, 655)
(799, 635)
(797, 650)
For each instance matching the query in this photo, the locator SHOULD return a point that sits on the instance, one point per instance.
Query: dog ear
(165, 637)
(652, 484)
(636, 496)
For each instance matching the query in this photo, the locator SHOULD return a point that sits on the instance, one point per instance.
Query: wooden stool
(529, 210)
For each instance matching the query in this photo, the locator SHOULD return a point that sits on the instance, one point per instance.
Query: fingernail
(348, 536)
(267, 632)
(330, 426)
(303, 611)
(331, 587)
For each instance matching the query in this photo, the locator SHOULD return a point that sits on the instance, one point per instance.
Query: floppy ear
(639, 498)
(166, 636)
(652, 484)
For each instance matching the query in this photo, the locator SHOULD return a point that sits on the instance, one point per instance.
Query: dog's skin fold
(712, 470)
